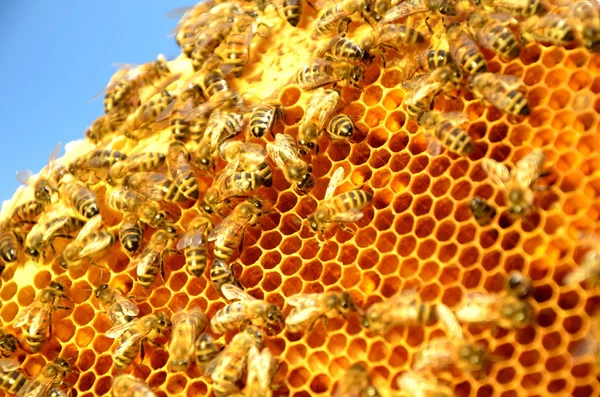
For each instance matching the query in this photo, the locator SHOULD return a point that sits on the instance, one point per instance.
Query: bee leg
(20, 345)
(345, 228)
(162, 269)
(142, 352)
(428, 27)
(343, 27)
(314, 323)
(311, 5)
(95, 264)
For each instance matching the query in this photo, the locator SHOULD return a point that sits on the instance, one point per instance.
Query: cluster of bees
(204, 117)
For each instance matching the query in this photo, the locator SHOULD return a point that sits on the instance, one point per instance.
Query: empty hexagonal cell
(556, 77)
(584, 122)
(372, 95)
(374, 116)
(338, 150)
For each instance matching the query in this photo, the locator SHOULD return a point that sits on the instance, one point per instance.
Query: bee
(292, 11)
(356, 382)
(502, 92)
(221, 274)
(193, 241)
(391, 36)
(56, 223)
(105, 126)
(344, 50)
(95, 161)
(237, 43)
(246, 309)
(129, 202)
(151, 260)
(177, 112)
(465, 50)
(482, 211)
(37, 317)
(491, 32)
(228, 234)
(131, 233)
(418, 385)
(407, 309)
(221, 126)
(518, 184)
(504, 311)
(411, 7)
(341, 127)
(155, 186)
(119, 309)
(11, 380)
(125, 385)
(51, 375)
(8, 343)
(186, 329)
(284, 152)
(344, 207)
(10, 244)
(26, 212)
(549, 28)
(518, 284)
(321, 106)
(44, 185)
(446, 128)
(206, 351)
(230, 184)
(90, 241)
(337, 16)
(309, 308)
(586, 17)
(226, 370)
(322, 72)
(519, 8)
(588, 271)
(139, 162)
(441, 353)
(423, 89)
(208, 40)
(180, 171)
(147, 114)
(133, 335)
(261, 370)
(79, 197)
(262, 119)
(251, 157)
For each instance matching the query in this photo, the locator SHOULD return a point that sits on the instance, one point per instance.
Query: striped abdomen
(220, 323)
(513, 101)
(434, 59)
(123, 357)
(292, 10)
(224, 249)
(179, 127)
(215, 82)
(236, 52)
(341, 126)
(261, 120)
(148, 268)
(188, 186)
(9, 246)
(118, 94)
(347, 50)
(315, 75)
(454, 138)
(131, 233)
(354, 199)
(220, 274)
(11, 382)
(504, 41)
(28, 211)
(240, 183)
(195, 259)
(84, 201)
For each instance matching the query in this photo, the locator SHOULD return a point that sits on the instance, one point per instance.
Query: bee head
(9, 255)
(62, 365)
(347, 303)
(306, 183)
(273, 315)
(519, 285)
(313, 224)
(55, 285)
(381, 7)
(255, 334)
(357, 74)
(100, 290)
(207, 208)
(255, 201)
(178, 365)
(8, 342)
(158, 219)
(34, 253)
(305, 146)
(448, 8)
(61, 262)
(163, 321)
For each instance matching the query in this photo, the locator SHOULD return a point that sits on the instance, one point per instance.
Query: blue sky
(56, 55)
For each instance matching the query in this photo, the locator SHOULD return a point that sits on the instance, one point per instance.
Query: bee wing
(192, 238)
(416, 82)
(319, 80)
(53, 155)
(167, 111)
(97, 245)
(24, 176)
(498, 172)
(403, 10)
(149, 184)
(321, 51)
(181, 168)
(424, 91)
(24, 315)
(232, 292)
(7, 365)
(37, 386)
(447, 317)
(90, 226)
(457, 118)
(300, 299)
(40, 318)
(336, 180)
(118, 330)
(260, 367)
(348, 216)
(129, 308)
(477, 308)
(254, 154)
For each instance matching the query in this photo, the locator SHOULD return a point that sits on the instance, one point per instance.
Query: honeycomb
(417, 233)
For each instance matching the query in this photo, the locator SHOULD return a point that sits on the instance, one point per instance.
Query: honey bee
(131, 233)
(261, 370)
(482, 211)
(96, 161)
(105, 126)
(52, 224)
(518, 284)
(411, 7)
(262, 119)
(356, 382)
(186, 329)
(344, 207)
(237, 43)
(10, 244)
(221, 126)
(322, 72)
(151, 260)
(208, 40)
(26, 212)
(344, 50)
(586, 17)
(8, 343)
(138, 123)
(518, 184)
(37, 317)
(549, 28)
(230, 184)
(321, 106)
(501, 91)
(341, 127)
(244, 310)
(423, 89)
(588, 271)
(129, 202)
(228, 234)
(491, 32)
(119, 309)
(125, 385)
(338, 15)
(251, 157)
(284, 152)
(139, 162)
(11, 380)
(408, 309)
(178, 110)
(180, 171)
(221, 274)
(193, 241)
(134, 334)
(441, 353)
(79, 197)
(206, 351)
(465, 50)
(90, 241)
(226, 370)
(521, 8)
(446, 128)
(418, 385)
(309, 308)
(505, 311)
(44, 185)
(51, 375)
(155, 186)
(391, 36)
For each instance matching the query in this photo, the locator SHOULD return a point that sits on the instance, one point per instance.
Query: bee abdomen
(85, 203)
(341, 126)
(292, 10)
(12, 382)
(261, 120)
(180, 129)
(518, 104)
(482, 211)
(196, 258)
(188, 187)
(505, 42)
(9, 246)
(454, 138)
(35, 341)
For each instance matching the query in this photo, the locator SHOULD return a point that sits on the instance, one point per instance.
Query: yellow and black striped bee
(322, 72)
(127, 201)
(187, 327)
(79, 197)
(284, 152)
(408, 8)
(482, 211)
(391, 36)
(228, 234)
(119, 309)
(134, 334)
(550, 28)
(262, 119)
(446, 128)
(251, 157)
(138, 124)
(37, 317)
(338, 15)
(105, 126)
(56, 223)
(237, 44)
(221, 126)
(11, 380)
(178, 111)
(505, 311)
(45, 184)
(341, 127)
(441, 353)
(309, 308)
(131, 233)
(208, 40)
(491, 31)
(586, 17)
(139, 162)
(520, 8)
(96, 161)
(320, 108)
(503, 92)
(465, 50)
(292, 10)
(155, 186)
(51, 375)
(344, 207)
(357, 382)
(206, 351)
(180, 171)
(221, 274)
(8, 343)
(195, 245)
(518, 284)
(343, 49)
(90, 241)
